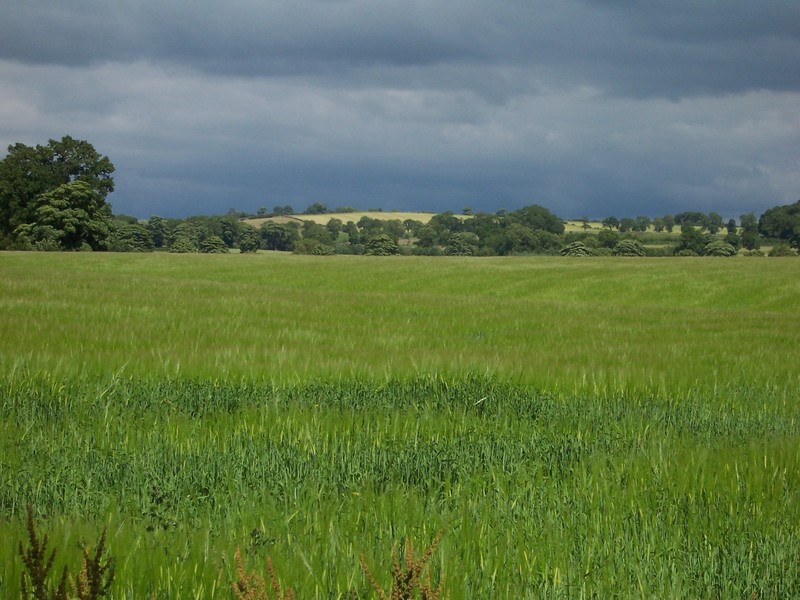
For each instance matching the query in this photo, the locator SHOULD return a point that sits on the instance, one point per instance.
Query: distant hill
(344, 217)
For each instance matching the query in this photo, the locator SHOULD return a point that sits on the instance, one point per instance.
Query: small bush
(782, 250)
(576, 249)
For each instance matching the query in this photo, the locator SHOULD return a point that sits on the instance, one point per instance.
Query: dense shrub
(313, 246)
(782, 250)
(213, 245)
(127, 237)
(462, 244)
(608, 238)
(426, 251)
(719, 248)
(576, 249)
(734, 240)
(183, 245)
(381, 244)
(659, 251)
(628, 247)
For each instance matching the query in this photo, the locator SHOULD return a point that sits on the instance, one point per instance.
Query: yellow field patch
(344, 217)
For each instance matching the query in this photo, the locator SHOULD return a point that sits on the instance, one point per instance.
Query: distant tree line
(535, 230)
(53, 197)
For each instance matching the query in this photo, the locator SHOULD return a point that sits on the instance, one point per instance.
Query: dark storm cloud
(686, 47)
(587, 107)
(685, 20)
(240, 37)
(638, 48)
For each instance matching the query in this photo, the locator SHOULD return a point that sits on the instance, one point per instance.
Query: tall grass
(575, 428)
(537, 494)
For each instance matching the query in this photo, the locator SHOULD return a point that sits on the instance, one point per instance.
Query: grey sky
(587, 107)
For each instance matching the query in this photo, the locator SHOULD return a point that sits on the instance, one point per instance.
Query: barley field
(355, 217)
(600, 428)
(561, 325)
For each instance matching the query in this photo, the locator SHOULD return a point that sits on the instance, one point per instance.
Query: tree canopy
(53, 197)
(782, 222)
(538, 217)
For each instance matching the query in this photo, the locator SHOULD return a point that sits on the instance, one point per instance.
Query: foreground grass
(561, 324)
(576, 428)
(538, 495)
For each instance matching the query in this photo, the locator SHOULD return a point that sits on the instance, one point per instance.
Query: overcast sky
(587, 107)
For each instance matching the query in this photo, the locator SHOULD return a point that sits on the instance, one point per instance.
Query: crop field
(355, 216)
(574, 428)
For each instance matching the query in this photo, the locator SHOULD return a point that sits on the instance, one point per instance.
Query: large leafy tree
(213, 244)
(751, 239)
(611, 223)
(70, 217)
(538, 217)
(318, 208)
(276, 236)
(714, 222)
(692, 219)
(54, 196)
(130, 237)
(159, 229)
(782, 222)
(693, 241)
(250, 240)
(382, 244)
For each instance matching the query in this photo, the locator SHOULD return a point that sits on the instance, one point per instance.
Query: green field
(670, 324)
(575, 428)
